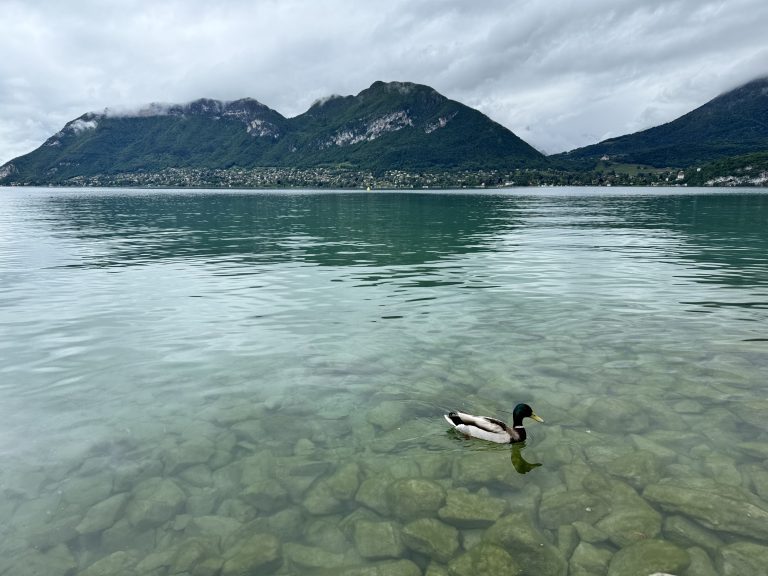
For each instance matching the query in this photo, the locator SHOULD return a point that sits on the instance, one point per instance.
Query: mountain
(734, 123)
(388, 126)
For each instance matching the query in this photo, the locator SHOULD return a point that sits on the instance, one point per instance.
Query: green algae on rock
(414, 497)
(485, 559)
(103, 515)
(648, 557)
(561, 507)
(467, 510)
(378, 540)
(154, 502)
(432, 538)
(715, 509)
(742, 559)
(384, 568)
(588, 560)
(529, 546)
(258, 553)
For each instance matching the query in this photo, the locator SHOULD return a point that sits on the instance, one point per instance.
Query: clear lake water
(219, 383)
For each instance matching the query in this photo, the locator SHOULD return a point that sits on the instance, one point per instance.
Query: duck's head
(524, 411)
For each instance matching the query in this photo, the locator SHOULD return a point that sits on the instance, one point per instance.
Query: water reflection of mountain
(723, 237)
(325, 229)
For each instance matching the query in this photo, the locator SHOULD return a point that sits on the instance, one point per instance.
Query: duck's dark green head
(524, 411)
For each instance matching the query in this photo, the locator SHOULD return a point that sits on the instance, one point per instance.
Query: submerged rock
(57, 531)
(286, 523)
(530, 547)
(700, 565)
(265, 495)
(638, 468)
(87, 490)
(187, 454)
(330, 533)
(256, 554)
(373, 493)
(648, 557)
(116, 564)
(415, 497)
(191, 553)
(743, 559)
(435, 569)
(715, 509)
(124, 535)
(216, 528)
(722, 468)
(467, 510)
(757, 450)
(661, 452)
(753, 413)
(328, 495)
(387, 415)
(588, 560)
(558, 508)
(589, 533)
(343, 483)
(387, 568)
(688, 533)
(432, 538)
(320, 501)
(567, 540)
(154, 502)
(484, 560)
(103, 515)
(197, 475)
(249, 430)
(485, 468)
(759, 476)
(611, 414)
(312, 558)
(57, 561)
(630, 523)
(378, 540)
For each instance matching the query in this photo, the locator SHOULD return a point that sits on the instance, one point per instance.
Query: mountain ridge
(394, 125)
(387, 127)
(733, 123)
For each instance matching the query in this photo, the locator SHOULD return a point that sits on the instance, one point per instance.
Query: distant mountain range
(733, 124)
(389, 126)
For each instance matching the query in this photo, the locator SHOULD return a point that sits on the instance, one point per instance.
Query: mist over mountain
(388, 126)
(732, 124)
(395, 126)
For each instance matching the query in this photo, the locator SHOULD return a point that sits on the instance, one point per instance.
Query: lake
(221, 383)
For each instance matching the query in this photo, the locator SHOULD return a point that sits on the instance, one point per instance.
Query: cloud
(559, 73)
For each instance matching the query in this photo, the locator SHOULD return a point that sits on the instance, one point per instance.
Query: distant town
(338, 178)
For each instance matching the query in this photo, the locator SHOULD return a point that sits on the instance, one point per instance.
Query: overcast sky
(558, 73)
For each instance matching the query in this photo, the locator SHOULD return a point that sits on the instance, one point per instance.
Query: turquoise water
(253, 383)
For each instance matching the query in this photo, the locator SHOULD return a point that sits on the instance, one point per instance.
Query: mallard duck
(492, 429)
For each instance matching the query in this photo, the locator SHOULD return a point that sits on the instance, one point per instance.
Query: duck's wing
(482, 422)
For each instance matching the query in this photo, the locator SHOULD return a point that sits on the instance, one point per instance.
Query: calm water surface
(227, 383)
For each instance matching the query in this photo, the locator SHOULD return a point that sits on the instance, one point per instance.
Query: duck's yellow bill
(537, 418)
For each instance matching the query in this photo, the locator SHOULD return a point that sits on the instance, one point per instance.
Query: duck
(491, 429)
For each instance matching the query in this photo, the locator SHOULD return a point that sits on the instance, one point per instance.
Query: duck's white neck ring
(518, 426)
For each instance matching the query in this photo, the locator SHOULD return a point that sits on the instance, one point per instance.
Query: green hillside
(389, 126)
(734, 123)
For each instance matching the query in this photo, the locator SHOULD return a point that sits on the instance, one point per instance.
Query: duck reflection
(521, 465)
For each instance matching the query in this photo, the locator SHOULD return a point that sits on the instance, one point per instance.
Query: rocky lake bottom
(377, 487)
(227, 437)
